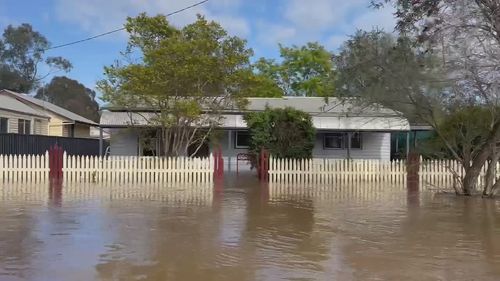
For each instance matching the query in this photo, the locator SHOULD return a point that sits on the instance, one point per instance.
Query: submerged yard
(244, 231)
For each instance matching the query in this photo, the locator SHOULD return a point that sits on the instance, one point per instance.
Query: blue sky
(264, 23)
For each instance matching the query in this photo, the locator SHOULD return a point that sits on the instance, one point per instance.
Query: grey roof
(312, 105)
(52, 108)
(321, 106)
(11, 104)
(334, 114)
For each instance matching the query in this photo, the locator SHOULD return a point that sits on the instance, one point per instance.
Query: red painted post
(412, 176)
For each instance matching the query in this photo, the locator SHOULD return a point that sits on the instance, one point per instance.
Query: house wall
(38, 128)
(124, 142)
(375, 145)
(82, 131)
(56, 126)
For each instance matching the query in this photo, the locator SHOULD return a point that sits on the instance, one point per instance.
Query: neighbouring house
(23, 114)
(344, 130)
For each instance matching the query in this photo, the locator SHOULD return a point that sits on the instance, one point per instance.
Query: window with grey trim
(23, 126)
(4, 125)
(242, 139)
(339, 140)
(334, 141)
(356, 141)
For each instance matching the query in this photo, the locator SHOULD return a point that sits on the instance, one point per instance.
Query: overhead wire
(116, 30)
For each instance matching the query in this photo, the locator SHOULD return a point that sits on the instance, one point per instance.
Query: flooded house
(343, 129)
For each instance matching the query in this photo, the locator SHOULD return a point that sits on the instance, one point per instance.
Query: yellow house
(20, 113)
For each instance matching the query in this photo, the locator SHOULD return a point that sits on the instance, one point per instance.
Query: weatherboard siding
(123, 142)
(375, 145)
(39, 128)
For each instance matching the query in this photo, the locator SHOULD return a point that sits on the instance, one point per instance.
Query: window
(334, 141)
(23, 126)
(242, 139)
(4, 123)
(355, 140)
(149, 143)
(339, 141)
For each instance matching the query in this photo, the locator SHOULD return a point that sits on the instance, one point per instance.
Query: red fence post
(55, 162)
(412, 176)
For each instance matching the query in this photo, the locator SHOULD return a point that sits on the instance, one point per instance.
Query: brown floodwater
(245, 231)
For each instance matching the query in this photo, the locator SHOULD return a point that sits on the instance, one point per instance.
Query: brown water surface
(244, 231)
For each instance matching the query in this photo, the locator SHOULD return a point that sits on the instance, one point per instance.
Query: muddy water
(244, 232)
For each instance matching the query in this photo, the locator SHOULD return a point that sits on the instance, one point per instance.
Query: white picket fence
(444, 174)
(336, 171)
(111, 169)
(133, 169)
(24, 168)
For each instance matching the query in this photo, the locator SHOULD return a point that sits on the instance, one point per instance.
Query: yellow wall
(38, 128)
(82, 131)
(56, 126)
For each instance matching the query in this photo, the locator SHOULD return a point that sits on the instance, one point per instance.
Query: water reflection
(242, 230)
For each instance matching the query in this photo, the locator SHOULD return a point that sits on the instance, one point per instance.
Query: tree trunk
(472, 172)
(491, 173)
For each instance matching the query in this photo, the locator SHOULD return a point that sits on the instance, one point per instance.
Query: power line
(119, 29)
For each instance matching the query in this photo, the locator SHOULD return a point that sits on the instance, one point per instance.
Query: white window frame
(360, 141)
(236, 146)
(342, 146)
(24, 121)
(345, 140)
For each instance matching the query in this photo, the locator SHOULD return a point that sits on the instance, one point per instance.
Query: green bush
(285, 133)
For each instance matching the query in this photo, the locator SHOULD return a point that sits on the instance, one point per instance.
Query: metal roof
(321, 106)
(111, 119)
(44, 105)
(10, 104)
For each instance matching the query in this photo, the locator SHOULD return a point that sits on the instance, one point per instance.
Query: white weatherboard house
(344, 130)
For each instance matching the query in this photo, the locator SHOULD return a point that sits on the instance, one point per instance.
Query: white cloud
(234, 25)
(335, 41)
(96, 16)
(317, 15)
(270, 34)
(381, 19)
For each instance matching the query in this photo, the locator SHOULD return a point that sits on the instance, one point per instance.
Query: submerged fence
(24, 168)
(114, 169)
(333, 171)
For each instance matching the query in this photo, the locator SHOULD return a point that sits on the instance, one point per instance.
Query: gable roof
(14, 105)
(44, 105)
(334, 114)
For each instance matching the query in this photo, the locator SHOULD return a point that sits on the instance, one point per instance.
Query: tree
(303, 71)
(185, 77)
(286, 133)
(22, 52)
(464, 35)
(71, 95)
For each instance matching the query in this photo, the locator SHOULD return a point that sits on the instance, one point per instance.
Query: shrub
(284, 132)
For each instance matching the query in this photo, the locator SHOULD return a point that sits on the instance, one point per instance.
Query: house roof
(51, 107)
(14, 105)
(335, 114)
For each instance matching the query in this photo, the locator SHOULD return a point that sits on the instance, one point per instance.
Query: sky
(263, 23)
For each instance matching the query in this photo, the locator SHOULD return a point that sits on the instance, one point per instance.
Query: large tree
(71, 95)
(302, 71)
(22, 55)
(185, 77)
(462, 37)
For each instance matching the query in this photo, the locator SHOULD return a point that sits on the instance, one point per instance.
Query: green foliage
(21, 55)
(304, 71)
(382, 69)
(187, 75)
(285, 133)
(71, 95)
(462, 131)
